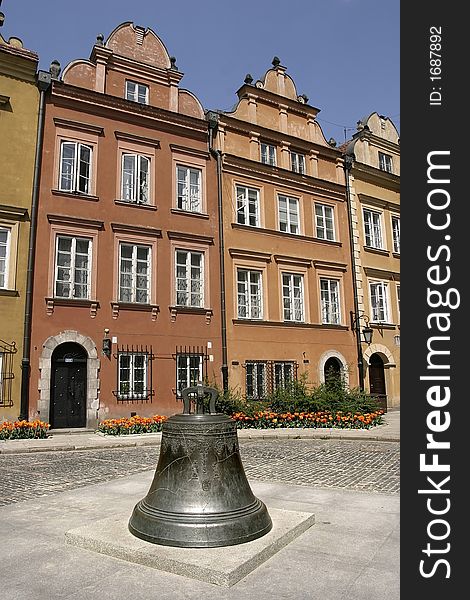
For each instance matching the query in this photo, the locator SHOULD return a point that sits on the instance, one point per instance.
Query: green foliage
(233, 401)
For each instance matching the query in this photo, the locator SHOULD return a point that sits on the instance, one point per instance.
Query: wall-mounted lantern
(106, 348)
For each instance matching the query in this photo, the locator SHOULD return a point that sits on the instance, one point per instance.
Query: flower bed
(338, 420)
(260, 420)
(130, 425)
(20, 430)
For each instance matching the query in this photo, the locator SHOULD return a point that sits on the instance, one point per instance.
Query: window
(135, 178)
(189, 278)
(284, 373)
(189, 189)
(247, 206)
(385, 162)
(292, 297)
(137, 92)
(398, 298)
(297, 162)
(249, 294)
(268, 154)
(288, 214)
(189, 370)
(75, 167)
(133, 376)
(373, 229)
(379, 302)
(396, 234)
(6, 372)
(330, 309)
(134, 273)
(256, 381)
(324, 222)
(5, 235)
(72, 267)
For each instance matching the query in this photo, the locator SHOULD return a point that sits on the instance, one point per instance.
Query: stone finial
(248, 79)
(332, 142)
(54, 69)
(276, 61)
(100, 39)
(173, 66)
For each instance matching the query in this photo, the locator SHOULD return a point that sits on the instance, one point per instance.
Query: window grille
(263, 377)
(134, 374)
(191, 366)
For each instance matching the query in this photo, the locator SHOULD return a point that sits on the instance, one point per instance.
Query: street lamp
(367, 338)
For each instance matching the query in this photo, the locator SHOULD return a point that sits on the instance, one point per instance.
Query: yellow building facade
(374, 180)
(19, 102)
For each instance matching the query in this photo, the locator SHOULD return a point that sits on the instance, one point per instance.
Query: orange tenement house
(126, 289)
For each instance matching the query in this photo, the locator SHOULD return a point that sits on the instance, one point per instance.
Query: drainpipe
(348, 161)
(213, 120)
(43, 83)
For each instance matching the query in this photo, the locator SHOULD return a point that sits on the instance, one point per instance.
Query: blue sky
(343, 54)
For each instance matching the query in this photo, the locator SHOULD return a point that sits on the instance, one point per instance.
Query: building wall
(19, 98)
(271, 112)
(377, 191)
(113, 126)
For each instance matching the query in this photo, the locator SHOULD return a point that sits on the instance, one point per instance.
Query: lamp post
(367, 333)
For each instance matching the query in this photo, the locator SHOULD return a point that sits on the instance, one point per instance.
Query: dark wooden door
(68, 389)
(377, 380)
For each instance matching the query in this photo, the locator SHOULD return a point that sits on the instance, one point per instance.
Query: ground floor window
(134, 374)
(265, 377)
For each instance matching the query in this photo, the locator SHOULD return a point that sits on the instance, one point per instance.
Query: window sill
(92, 305)
(379, 325)
(75, 195)
(190, 310)
(292, 236)
(288, 324)
(135, 204)
(116, 307)
(396, 254)
(189, 213)
(380, 251)
(6, 292)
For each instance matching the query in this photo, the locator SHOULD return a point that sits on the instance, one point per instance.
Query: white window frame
(373, 235)
(268, 154)
(249, 294)
(137, 92)
(188, 195)
(379, 302)
(132, 394)
(190, 370)
(257, 372)
(73, 286)
(385, 162)
(293, 297)
(330, 301)
(134, 274)
(322, 221)
(184, 284)
(289, 214)
(75, 182)
(247, 205)
(396, 233)
(297, 162)
(4, 272)
(137, 190)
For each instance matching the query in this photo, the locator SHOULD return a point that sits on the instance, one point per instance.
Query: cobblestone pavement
(360, 465)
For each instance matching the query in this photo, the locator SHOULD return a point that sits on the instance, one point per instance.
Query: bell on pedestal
(200, 496)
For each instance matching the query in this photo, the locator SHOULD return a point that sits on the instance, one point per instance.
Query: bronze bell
(200, 496)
